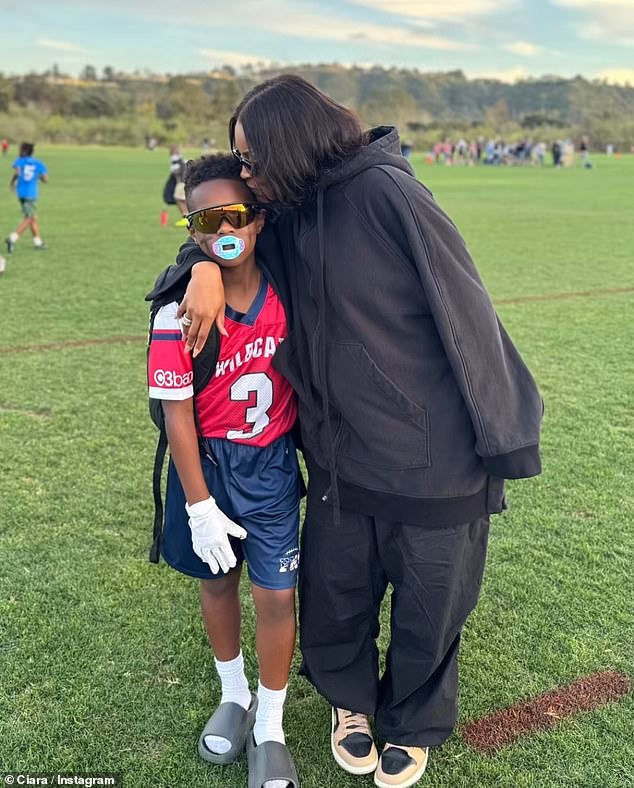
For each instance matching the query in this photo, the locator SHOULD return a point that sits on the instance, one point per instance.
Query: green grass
(103, 660)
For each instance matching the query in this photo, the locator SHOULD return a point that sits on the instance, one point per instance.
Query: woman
(414, 407)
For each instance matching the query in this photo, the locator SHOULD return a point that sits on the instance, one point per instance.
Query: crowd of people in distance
(499, 152)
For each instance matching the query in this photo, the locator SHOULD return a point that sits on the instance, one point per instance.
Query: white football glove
(211, 529)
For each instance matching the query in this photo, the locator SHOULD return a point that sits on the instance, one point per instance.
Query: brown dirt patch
(72, 343)
(502, 727)
(564, 296)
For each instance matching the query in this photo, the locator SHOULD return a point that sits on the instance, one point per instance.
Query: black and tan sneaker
(400, 766)
(351, 742)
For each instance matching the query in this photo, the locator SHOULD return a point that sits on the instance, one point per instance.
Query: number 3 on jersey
(260, 384)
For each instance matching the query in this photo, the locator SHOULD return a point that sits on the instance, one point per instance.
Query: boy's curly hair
(210, 168)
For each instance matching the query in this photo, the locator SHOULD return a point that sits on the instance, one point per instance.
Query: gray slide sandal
(233, 723)
(270, 761)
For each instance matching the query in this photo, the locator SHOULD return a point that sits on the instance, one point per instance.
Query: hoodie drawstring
(321, 361)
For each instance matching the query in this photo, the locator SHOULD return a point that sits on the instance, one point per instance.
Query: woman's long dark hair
(295, 133)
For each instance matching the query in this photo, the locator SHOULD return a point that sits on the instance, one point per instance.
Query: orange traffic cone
(164, 218)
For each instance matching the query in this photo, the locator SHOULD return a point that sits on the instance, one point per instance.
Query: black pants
(344, 573)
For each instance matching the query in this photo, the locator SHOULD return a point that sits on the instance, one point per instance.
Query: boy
(27, 171)
(244, 471)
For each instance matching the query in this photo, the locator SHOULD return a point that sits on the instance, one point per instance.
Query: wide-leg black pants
(344, 573)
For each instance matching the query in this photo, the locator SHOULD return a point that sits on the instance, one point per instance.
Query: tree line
(113, 107)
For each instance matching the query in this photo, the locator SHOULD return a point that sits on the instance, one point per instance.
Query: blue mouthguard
(228, 247)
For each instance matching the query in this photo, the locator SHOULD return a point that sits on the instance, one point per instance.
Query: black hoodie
(413, 402)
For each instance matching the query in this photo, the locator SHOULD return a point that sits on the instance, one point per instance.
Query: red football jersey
(246, 401)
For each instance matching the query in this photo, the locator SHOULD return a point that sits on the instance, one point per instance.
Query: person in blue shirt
(27, 172)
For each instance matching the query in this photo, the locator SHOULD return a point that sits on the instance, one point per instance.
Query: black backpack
(170, 286)
(168, 190)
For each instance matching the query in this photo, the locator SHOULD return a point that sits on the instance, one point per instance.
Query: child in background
(177, 170)
(28, 171)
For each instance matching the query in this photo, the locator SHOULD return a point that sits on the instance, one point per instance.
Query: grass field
(103, 661)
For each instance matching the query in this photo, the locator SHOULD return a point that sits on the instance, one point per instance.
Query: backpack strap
(204, 366)
(170, 286)
(157, 531)
(158, 418)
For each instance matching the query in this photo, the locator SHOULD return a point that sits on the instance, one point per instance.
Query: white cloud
(319, 28)
(306, 19)
(605, 32)
(509, 75)
(441, 10)
(59, 46)
(617, 76)
(225, 57)
(603, 20)
(595, 4)
(524, 48)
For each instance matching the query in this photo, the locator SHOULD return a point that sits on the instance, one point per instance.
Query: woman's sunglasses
(244, 162)
(208, 220)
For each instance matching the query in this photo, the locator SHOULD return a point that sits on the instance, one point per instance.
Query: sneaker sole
(410, 781)
(340, 761)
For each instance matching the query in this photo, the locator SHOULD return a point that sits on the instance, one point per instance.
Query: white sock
(268, 718)
(37, 241)
(268, 722)
(14, 237)
(235, 689)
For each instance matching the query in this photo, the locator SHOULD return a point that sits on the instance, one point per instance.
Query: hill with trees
(119, 108)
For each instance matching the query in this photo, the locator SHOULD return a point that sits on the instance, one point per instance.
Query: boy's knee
(274, 605)
(219, 586)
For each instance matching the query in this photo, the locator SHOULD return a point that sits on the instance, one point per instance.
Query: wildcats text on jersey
(262, 346)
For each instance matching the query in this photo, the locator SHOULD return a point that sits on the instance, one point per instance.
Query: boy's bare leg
(26, 222)
(220, 606)
(274, 634)
(12, 238)
(35, 228)
(275, 642)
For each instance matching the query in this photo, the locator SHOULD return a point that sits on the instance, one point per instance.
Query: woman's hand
(204, 304)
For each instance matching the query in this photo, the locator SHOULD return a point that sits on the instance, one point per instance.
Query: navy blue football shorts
(259, 489)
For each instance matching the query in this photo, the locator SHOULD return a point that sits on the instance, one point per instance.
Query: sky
(502, 39)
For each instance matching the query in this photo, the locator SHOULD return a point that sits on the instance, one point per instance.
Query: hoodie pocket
(383, 426)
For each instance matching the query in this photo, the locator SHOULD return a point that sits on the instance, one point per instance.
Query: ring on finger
(186, 320)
